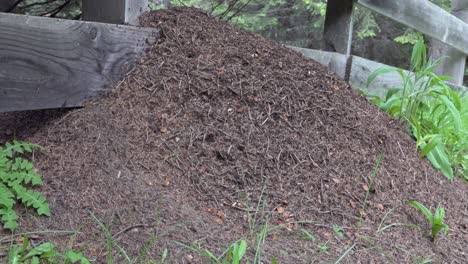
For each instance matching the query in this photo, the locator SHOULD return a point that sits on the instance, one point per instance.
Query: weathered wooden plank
(425, 17)
(359, 71)
(114, 11)
(335, 62)
(338, 28)
(453, 61)
(53, 63)
(361, 68)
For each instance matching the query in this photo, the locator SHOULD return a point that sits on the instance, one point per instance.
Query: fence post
(338, 29)
(453, 60)
(114, 11)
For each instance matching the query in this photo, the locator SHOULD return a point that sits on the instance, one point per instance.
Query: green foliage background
(262, 16)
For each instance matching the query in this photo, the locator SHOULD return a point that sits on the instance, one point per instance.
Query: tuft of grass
(258, 221)
(434, 114)
(436, 220)
(110, 243)
(345, 253)
(374, 174)
(232, 255)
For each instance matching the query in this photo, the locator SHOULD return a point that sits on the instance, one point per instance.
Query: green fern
(17, 176)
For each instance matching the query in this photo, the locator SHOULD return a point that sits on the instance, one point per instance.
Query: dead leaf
(167, 181)
(149, 182)
(379, 206)
(220, 214)
(189, 258)
(327, 234)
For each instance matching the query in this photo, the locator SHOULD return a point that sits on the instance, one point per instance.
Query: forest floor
(217, 134)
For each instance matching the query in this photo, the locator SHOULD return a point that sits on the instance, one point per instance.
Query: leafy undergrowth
(17, 175)
(25, 252)
(435, 115)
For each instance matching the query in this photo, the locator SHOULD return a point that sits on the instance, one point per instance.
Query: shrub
(433, 113)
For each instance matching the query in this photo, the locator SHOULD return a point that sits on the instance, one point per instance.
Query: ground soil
(213, 120)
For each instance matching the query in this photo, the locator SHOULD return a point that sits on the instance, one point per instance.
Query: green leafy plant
(434, 114)
(17, 175)
(42, 253)
(232, 255)
(409, 37)
(338, 232)
(436, 221)
(324, 248)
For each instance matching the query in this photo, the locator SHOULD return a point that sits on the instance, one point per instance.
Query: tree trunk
(7, 5)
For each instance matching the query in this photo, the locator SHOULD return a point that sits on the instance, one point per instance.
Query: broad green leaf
(423, 209)
(242, 249)
(439, 159)
(45, 248)
(73, 257)
(454, 111)
(378, 72)
(433, 142)
(274, 260)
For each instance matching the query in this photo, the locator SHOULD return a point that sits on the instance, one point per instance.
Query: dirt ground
(213, 120)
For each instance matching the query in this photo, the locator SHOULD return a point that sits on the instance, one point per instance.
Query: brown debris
(209, 116)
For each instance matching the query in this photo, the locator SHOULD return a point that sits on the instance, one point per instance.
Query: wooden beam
(425, 17)
(338, 28)
(54, 63)
(453, 61)
(360, 70)
(114, 11)
(335, 62)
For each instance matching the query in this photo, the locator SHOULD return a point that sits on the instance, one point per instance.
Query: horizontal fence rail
(55, 63)
(425, 17)
(359, 70)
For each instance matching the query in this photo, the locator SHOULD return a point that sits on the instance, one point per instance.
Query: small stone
(189, 258)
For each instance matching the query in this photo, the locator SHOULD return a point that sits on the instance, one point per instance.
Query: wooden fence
(55, 63)
(422, 15)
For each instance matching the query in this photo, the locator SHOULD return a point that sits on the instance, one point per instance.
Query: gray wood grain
(453, 61)
(360, 70)
(335, 62)
(114, 11)
(54, 63)
(338, 28)
(425, 17)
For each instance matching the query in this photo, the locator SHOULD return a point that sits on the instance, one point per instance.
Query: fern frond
(26, 177)
(16, 174)
(9, 218)
(6, 197)
(31, 198)
(19, 147)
